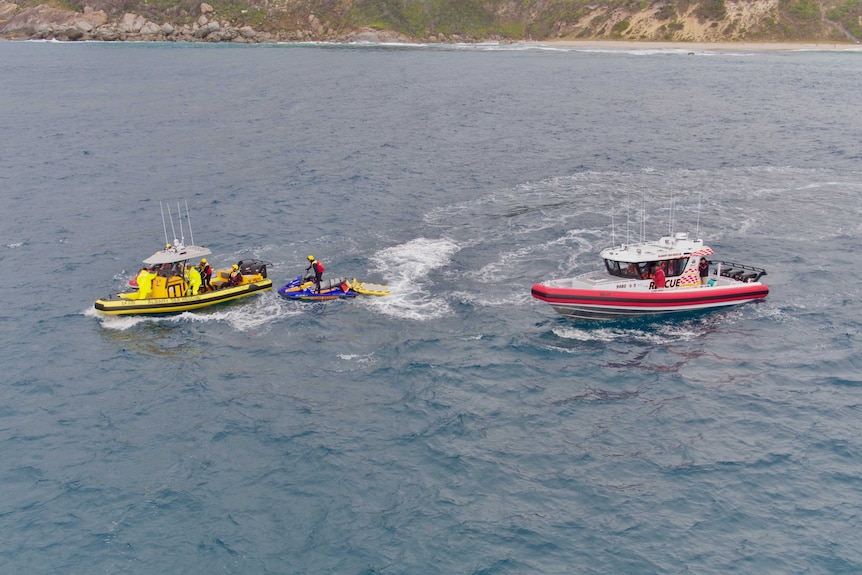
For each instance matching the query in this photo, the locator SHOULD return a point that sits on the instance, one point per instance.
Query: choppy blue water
(458, 425)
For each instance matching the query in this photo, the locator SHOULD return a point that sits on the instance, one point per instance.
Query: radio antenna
(164, 224)
(670, 222)
(697, 229)
(628, 209)
(180, 219)
(189, 217)
(643, 217)
(171, 218)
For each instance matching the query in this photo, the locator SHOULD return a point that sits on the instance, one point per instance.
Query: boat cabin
(639, 261)
(169, 266)
(645, 270)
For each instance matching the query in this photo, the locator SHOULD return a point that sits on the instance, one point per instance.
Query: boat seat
(252, 267)
(749, 277)
(728, 273)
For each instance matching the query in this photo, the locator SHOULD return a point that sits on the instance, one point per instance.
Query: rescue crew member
(194, 279)
(318, 271)
(206, 273)
(703, 268)
(235, 276)
(647, 271)
(659, 277)
(145, 283)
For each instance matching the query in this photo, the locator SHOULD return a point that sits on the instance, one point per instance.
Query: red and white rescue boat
(627, 286)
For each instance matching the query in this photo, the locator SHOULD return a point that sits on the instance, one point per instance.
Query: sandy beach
(699, 46)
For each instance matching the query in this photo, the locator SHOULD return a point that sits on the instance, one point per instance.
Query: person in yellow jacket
(194, 279)
(145, 283)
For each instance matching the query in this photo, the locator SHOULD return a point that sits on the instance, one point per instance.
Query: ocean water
(456, 426)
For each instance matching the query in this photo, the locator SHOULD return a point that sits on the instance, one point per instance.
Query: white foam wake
(406, 268)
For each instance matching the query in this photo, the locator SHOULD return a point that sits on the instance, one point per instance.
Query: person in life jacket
(145, 283)
(206, 272)
(659, 276)
(235, 276)
(318, 271)
(703, 269)
(194, 277)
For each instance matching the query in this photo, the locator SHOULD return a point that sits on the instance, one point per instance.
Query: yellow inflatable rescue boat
(174, 280)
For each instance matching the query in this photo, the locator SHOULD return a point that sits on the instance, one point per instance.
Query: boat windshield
(676, 267)
(169, 270)
(645, 270)
(623, 269)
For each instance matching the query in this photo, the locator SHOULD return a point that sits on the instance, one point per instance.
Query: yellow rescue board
(366, 288)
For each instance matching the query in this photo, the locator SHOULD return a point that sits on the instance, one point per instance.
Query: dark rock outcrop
(44, 22)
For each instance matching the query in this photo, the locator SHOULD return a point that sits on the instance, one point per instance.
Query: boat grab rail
(740, 272)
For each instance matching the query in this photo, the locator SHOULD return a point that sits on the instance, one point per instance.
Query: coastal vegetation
(500, 20)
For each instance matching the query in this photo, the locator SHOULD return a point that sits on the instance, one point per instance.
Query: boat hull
(122, 304)
(301, 290)
(614, 304)
(338, 288)
(311, 295)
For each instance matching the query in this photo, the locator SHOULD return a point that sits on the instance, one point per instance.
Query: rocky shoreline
(45, 22)
(48, 23)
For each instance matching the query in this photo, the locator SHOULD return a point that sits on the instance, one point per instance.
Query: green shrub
(620, 27)
(711, 10)
(802, 9)
(666, 12)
